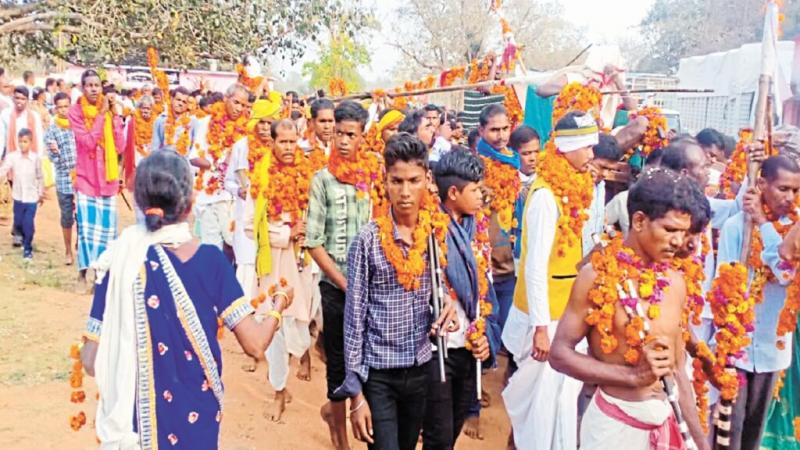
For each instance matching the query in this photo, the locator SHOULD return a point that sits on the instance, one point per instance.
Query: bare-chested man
(630, 409)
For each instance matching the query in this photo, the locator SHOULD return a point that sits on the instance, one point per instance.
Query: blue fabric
(462, 268)
(97, 226)
(519, 214)
(64, 160)
(158, 141)
(186, 408)
(539, 113)
(505, 298)
(24, 215)
(484, 149)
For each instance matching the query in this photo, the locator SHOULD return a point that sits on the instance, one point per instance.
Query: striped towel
(97, 226)
(474, 102)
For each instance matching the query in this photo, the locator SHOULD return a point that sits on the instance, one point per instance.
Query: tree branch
(22, 24)
(19, 10)
(412, 56)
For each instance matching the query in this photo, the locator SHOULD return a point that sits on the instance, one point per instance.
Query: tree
(186, 32)
(434, 35)
(675, 29)
(340, 59)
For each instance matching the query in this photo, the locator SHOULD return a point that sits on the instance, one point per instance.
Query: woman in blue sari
(151, 338)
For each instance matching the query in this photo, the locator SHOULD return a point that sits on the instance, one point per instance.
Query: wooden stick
(490, 83)
(578, 55)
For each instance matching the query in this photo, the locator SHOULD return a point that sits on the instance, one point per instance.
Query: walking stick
(301, 259)
(669, 389)
(437, 291)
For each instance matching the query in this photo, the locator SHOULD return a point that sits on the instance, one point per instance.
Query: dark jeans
(504, 288)
(66, 204)
(24, 214)
(396, 399)
(448, 402)
(749, 415)
(333, 336)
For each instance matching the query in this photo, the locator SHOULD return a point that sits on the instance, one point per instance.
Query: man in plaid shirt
(386, 324)
(61, 150)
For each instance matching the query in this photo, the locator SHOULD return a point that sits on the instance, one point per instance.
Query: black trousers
(396, 399)
(333, 336)
(448, 402)
(749, 417)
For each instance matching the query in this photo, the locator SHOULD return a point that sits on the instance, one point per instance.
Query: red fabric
(11, 144)
(666, 436)
(129, 155)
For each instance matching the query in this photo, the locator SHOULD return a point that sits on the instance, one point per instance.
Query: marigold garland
(257, 153)
(482, 249)
(615, 265)
(144, 133)
(734, 314)
(479, 71)
(316, 156)
(656, 125)
(450, 76)
(693, 270)
(513, 108)
(700, 383)
(410, 266)
(76, 383)
(577, 97)
(89, 116)
(288, 188)
(736, 169)
(181, 144)
(776, 391)
(762, 274)
(787, 320)
(505, 185)
(244, 79)
(573, 189)
(337, 87)
(223, 132)
(365, 172)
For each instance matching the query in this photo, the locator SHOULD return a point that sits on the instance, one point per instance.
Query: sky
(605, 22)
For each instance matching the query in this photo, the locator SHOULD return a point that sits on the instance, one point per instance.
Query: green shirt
(335, 216)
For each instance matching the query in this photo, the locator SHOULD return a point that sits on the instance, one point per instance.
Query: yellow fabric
(390, 118)
(62, 122)
(47, 173)
(261, 223)
(561, 270)
(112, 159)
(265, 108)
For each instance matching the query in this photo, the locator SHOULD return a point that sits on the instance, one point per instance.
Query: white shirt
(28, 179)
(541, 217)
(201, 143)
(597, 220)
(22, 122)
(617, 212)
(244, 247)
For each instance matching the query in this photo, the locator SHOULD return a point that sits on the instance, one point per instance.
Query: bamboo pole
(490, 83)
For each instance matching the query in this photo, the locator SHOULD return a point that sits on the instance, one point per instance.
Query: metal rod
(437, 306)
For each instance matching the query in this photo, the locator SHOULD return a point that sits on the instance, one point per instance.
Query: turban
(576, 132)
(388, 119)
(268, 108)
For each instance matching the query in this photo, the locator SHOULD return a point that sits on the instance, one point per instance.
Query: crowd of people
(292, 220)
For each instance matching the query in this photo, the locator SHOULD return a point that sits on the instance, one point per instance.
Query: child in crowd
(28, 189)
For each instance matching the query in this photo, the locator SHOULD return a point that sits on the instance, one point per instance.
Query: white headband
(566, 144)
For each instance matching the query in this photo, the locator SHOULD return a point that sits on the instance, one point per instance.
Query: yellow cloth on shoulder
(109, 146)
(261, 222)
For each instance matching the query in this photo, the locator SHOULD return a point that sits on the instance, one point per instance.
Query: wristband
(281, 294)
(276, 315)
(360, 404)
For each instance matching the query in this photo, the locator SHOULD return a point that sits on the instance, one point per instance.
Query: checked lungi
(97, 226)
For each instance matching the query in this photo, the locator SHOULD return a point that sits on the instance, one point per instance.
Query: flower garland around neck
(365, 173)
(288, 188)
(693, 269)
(504, 183)
(734, 314)
(700, 382)
(736, 169)
(144, 133)
(572, 189)
(656, 125)
(410, 265)
(615, 265)
(482, 248)
(577, 97)
(223, 132)
(374, 140)
(78, 395)
(182, 143)
(257, 151)
(762, 274)
(316, 156)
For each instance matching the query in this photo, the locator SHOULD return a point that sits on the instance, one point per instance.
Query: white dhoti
(611, 423)
(244, 247)
(541, 402)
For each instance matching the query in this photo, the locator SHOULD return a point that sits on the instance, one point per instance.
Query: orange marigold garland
(316, 156)
(734, 314)
(365, 172)
(76, 383)
(337, 87)
(257, 153)
(88, 117)
(410, 266)
(736, 169)
(288, 188)
(655, 135)
(144, 133)
(223, 132)
(482, 249)
(693, 270)
(504, 183)
(614, 265)
(573, 189)
(700, 383)
(511, 103)
(787, 320)
(577, 97)
(762, 274)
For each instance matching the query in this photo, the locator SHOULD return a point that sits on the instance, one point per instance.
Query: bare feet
(472, 427)
(304, 370)
(486, 399)
(336, 425)
(69, 259)
(278, 406)
(319, 346)
(251, 365)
